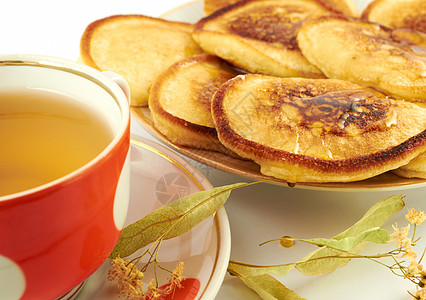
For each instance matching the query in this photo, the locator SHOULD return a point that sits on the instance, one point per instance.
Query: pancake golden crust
(397, 14)
(366, 54)
(180, 101)
(347, 7)
(210, 6)
(137, 47)
(317, 130)
(416, 168)
(260, 36)
(407, 18)
(411, 37)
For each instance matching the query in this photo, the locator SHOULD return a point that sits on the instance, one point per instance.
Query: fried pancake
(416, 168)
(347, 7)
(180, 101)
(317, 130)
(407, 18)
(210, 6)
(396, 14)
(411, 37)
(364, 53)
(138, 48)
(259, 36)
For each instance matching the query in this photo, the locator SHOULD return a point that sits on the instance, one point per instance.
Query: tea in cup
(64, 173)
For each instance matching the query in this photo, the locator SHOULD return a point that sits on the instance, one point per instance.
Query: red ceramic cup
(54, 236)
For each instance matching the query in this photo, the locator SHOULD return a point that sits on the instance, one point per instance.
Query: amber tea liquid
(44, 136)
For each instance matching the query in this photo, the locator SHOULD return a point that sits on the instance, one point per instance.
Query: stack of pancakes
(311, 90)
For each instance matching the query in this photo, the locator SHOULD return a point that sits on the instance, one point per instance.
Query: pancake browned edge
(366, 54)
(260, 36)
(180, 101)
(416, 168)
(397, 13)
(317, 130)
(407, 18)
(138, 48)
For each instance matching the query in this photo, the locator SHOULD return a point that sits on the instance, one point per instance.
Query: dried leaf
(255, 270)
(376, 216)
(266, 286)
(324, 260)
(375, 235)
(172, 220)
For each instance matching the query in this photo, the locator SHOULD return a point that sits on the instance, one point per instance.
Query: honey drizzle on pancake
(341, 113)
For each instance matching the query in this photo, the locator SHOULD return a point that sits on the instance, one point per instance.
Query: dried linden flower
(409, 251)
(400, 235)
(153, 292)
(128, 278)
(176, 278)
(415, 217)
(414, 268)
(421, 294)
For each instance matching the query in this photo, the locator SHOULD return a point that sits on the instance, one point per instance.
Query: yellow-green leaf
(376, 216)
(255, 270)
(315, 263)
(376, 235)
(266, 286)
(172, 220)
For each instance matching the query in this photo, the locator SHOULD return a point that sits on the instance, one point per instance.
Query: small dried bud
(287, 242)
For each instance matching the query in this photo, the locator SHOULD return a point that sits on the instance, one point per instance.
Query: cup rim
(90, 74)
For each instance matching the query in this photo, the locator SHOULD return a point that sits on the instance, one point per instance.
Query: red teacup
(54, 236)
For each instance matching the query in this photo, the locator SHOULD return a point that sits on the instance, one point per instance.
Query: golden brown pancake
(407, 18)
(210, 6)
(416, 168)
(411, 37)
(347, 7)
(317, 130)
(364, 53)
(396, 14)
(180, 101)
(138, 48)
(260, 36)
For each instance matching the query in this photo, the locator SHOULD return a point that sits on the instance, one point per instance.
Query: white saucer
(158, 176)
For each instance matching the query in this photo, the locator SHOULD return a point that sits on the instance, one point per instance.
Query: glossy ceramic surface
(159, 176)
(56, 235)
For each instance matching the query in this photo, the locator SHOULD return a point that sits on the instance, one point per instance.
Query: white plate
(159, 176)
(191, 12)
